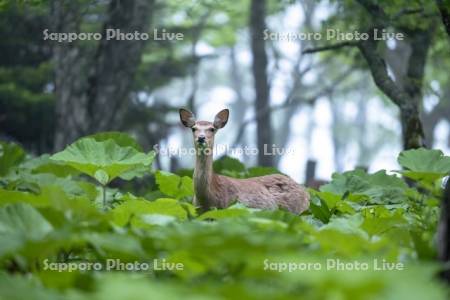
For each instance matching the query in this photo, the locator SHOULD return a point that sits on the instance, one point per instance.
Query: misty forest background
(359, 100)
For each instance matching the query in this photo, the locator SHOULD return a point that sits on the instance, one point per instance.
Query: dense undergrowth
(64, 211)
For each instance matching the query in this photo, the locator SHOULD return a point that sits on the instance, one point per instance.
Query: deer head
(204, 131)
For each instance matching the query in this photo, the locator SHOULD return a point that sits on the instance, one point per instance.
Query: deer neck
(203, 177)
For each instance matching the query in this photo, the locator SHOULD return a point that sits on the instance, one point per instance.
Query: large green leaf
(115, 245)
(20, 223)
(358, 185)
(224, 213)
(319, 209)
(104, 159)
(121, 139)
(133, 211)
(43, 164)
(424, 164)
(173, 185)
(56, 197)
(425, 160)
(380, 220)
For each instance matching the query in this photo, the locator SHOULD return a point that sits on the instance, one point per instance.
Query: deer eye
(194, 129)
(212, 129)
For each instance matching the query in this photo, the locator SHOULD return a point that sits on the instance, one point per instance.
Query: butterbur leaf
(133, 210)
(44, 165)
(424, 164)
(424, 160)
(358, 185)
(104, 159)
(120, 138)
(329, 198)
(113, 243)
(20, 223)
(381, 224)
(173, 185)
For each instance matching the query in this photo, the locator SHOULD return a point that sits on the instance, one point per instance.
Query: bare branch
(331, 47)
(290, 103)
(407, 11)
(378, 69)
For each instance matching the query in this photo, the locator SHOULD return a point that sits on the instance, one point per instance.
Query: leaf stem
(104, 197)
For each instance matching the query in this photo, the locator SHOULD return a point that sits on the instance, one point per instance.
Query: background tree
(262, 90)
(85, 87)
(405, 89)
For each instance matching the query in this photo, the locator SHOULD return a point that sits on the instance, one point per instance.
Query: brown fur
(267, 192)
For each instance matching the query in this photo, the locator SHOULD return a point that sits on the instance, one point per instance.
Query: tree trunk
(69, 65)
(259, 68)
(407, 92)
(88, 105)
(413, 135)
(115, 62)
(408, 95)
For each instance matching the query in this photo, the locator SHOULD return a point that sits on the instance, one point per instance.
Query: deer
(212, 190)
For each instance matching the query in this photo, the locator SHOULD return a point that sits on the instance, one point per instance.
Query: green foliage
(20, 223)
(173, 185)
(10, 156)
(359, 186)
(50, 214)
(423, 164)
(106, 156)
(140, 211)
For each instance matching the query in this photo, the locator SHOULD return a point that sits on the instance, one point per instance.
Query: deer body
(213, 190)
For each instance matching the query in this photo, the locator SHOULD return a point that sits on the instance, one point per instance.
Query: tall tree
(406, 90)
(408, 95)
(262, 90)
(91, 90)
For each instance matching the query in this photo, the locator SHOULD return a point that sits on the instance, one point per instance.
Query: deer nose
(201, 139)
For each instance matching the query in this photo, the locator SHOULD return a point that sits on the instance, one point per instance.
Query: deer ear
(221, 118)
(187, 117)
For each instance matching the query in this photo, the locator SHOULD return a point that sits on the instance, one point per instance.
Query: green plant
(106, 156)
(49, 217)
